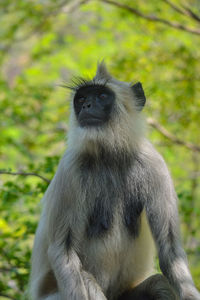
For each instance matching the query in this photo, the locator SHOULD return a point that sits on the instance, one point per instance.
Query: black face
(93, 105)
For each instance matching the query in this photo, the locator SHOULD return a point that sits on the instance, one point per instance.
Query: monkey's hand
(93, 289)
(189, 292)
(67, 270)
(73, 281)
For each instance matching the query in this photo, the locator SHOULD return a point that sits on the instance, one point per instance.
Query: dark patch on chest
(137, 195)
(109, 180)
(101, 218)
(68, 240)
(132, 211)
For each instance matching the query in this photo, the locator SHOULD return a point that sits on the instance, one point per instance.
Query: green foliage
(19, 212)
(45, 43)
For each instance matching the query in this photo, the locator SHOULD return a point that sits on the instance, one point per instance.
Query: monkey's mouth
(86, 120)
(91, 122)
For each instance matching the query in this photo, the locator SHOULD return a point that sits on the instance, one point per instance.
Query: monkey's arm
(58, 274)
(54, 274)
(72, 282)
(161, 209)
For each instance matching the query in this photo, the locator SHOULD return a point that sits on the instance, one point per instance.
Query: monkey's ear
(102, 72)
(139, 95)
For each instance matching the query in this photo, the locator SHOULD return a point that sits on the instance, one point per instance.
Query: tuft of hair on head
(102, 77)
(102, 72)
(78, 82)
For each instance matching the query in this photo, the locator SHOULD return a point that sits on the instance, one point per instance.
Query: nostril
(86, 105)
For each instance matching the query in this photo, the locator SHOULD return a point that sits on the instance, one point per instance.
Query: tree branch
(25, 174)
(186, 11)
(176, 8)
(171, 136)
(191, 14)
(152, 18)
(6, 296)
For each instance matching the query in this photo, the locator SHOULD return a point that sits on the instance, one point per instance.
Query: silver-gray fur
(111, 194)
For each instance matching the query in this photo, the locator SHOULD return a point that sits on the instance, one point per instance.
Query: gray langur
(110, 201)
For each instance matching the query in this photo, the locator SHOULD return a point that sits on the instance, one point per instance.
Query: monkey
(109, 207)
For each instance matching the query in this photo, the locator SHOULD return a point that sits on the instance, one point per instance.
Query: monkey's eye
(103, 96)
(81, 99)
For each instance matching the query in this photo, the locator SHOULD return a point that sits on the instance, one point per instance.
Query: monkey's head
(106, 111)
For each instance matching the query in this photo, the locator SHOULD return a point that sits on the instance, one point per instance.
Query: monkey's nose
(86, 105)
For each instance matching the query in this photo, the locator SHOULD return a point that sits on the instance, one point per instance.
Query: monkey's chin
(90, 133)
(91, 123)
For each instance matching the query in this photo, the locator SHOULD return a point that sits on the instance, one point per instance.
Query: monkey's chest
(112, 187)
(111, 205)
(113, 196)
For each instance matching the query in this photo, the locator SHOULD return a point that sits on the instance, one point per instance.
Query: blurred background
(43, 43)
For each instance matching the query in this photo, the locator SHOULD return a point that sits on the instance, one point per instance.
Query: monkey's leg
(155, 287)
